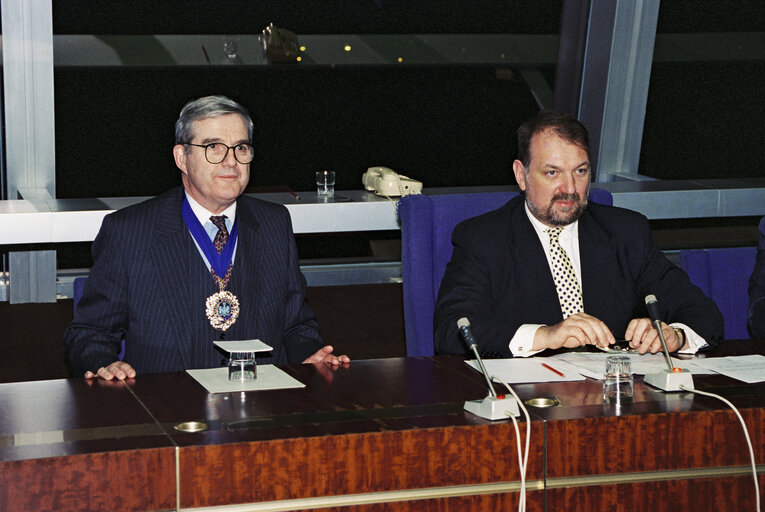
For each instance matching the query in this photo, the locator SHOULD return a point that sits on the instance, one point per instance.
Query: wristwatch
(680, 334)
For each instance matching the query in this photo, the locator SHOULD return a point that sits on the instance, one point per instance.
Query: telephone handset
(385, 182)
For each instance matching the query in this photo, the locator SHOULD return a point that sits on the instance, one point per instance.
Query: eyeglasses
(216, 152)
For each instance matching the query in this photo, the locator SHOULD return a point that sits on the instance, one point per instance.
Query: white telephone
(385, 182)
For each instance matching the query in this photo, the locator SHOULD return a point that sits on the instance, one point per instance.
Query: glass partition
(432, 89)
(705, 101)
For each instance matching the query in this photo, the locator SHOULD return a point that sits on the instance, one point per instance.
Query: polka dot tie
(221, 237)
(569, 292)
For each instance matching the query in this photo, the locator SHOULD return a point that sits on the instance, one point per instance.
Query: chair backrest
(427, 223)
(723, 275)
(78, 285)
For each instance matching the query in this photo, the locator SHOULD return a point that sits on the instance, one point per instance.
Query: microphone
(493, 407)
(673, 379)
(653, 311)
(463, 324)
(653, 308)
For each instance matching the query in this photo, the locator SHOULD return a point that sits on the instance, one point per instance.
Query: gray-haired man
(198, 263)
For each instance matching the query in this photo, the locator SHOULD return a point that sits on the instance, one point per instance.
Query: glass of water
(325, 184)
(241, 366)
(618, 378)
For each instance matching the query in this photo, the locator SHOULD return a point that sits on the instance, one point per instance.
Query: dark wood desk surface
(378, 426)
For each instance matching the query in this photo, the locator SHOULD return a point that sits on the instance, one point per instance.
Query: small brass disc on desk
(542, 402)
(192, 426)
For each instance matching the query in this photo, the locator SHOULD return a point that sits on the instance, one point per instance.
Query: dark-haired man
(549, 270)
(195, 264)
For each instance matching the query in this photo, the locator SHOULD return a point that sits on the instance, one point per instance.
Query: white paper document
(748, 369)
(593, 364)
(518, 370)
(215, 380)
(243, 346)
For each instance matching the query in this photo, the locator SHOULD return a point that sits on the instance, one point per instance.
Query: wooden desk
(390, 430)
(664, 451)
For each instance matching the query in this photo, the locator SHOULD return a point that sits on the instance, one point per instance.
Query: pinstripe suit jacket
(148, 286)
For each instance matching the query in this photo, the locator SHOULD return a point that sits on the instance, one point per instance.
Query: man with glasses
(199, 263)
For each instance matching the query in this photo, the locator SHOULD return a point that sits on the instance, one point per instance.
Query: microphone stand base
(670, 381)
(492, 408)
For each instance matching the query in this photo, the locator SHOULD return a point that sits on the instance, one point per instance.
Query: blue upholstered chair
(427, 223)
(723, 275)
(77, 287)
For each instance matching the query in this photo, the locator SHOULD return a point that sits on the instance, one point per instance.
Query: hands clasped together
(583, 329)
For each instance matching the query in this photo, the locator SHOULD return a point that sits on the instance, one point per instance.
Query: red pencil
(552, 369)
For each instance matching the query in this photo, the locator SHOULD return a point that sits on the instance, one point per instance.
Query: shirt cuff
(695, 342)
(523, 341)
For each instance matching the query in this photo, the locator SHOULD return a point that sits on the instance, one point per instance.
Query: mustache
(567, 197)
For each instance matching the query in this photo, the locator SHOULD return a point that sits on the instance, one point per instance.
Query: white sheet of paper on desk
(243, 346)
(518, 370)
(215, 380)
(749, 369)
(593, 364)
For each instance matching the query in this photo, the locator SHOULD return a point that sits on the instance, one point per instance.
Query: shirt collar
(541, 228)
(204, 215)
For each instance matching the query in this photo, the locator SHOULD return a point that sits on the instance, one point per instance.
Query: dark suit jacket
(499, 279)
(149, 284)
(757, 290)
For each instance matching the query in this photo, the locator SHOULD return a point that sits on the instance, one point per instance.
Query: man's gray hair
(205, 108)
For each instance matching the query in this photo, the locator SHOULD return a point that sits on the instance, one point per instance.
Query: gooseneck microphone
(463, 324)
(493, 407)
(673, 379)
(653, 311)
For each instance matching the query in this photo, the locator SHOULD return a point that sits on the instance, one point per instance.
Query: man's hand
(325, 355)
(645, 338)
(575, 331)
(117, 370)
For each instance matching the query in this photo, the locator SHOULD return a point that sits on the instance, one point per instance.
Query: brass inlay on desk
(347, 500)
(192, 426)
(651, 476)
(542, 402)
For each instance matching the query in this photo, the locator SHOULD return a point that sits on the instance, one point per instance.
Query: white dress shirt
(203, 215)
(523, 340)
